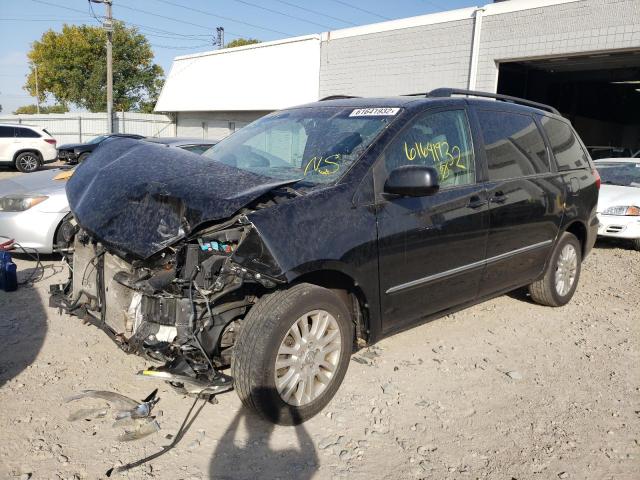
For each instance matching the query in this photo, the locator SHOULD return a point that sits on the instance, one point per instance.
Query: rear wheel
(27, 162)
(636, 244)
(561, 276)
(292, 353)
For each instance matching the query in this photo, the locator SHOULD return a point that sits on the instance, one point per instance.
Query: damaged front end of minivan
(166, 259)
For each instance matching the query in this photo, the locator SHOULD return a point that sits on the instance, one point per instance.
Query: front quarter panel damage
(322, 231)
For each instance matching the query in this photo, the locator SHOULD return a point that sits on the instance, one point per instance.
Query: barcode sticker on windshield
(374, 112)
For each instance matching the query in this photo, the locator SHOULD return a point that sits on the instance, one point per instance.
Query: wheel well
(580, 231)
(352, 295)
(55, 233)
(25, 150)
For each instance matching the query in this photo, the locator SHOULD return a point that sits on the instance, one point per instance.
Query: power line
(315, 12)
(435, 5)
(187, 47)
(51, 4)
(222, 17)
(165, 17)
(168, 34)
(346, 4)
(266, 9)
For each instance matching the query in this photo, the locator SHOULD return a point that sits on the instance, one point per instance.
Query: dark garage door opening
(599, 93)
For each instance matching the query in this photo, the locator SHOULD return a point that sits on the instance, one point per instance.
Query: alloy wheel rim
(566, 268)
(29, 163)
(308, 358)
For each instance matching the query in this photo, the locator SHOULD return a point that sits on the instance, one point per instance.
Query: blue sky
(174, 30)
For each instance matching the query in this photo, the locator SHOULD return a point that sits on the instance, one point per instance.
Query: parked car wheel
(292, 353)
(635, 243)
(561, 276)
(64, 233)
(82, 157)
(27, 162)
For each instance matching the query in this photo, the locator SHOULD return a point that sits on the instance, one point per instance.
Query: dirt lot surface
(504, 390)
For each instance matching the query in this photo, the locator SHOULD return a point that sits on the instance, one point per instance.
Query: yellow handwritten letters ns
(323, 165)
(444, 156)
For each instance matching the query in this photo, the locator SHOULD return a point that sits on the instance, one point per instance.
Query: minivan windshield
(626, 174)
(315, 144)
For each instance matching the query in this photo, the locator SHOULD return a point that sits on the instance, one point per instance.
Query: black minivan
(323, 228)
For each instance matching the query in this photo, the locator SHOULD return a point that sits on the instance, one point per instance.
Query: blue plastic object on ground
(8, 273)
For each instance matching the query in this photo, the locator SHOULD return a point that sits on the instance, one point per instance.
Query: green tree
(241, 42)
(72, 68)
(43, 109)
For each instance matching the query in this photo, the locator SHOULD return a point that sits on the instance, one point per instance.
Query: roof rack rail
(337, 97)
(447, 92)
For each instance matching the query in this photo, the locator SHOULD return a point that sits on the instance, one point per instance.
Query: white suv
(26, 147)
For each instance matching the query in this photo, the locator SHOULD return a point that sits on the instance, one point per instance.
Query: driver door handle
(499, 197)
(476, 202)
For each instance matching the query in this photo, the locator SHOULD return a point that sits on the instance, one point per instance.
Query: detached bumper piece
(186, 384)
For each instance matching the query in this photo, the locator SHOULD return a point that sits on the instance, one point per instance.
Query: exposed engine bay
(180, 308)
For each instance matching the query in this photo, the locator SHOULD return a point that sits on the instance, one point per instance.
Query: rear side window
(26, 133)
(6, 132)
(513, 144)
(565, 145)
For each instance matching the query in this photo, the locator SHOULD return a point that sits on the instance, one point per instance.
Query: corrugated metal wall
(83, 126)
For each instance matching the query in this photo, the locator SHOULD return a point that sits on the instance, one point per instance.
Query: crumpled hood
(139, 197)
(617, 195)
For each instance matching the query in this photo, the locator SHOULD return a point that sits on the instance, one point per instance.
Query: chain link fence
(81, 127)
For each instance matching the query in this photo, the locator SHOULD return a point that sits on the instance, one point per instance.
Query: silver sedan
(33, 208)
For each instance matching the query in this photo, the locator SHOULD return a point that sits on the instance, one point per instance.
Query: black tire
(82, 157)
(64, 233)
(545, 291)
(264, 329)
(635, 243)
(28, 162)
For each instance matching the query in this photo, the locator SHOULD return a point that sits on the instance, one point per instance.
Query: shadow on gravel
(611, 243)
(23, 326)
(521, 294)
(255, 458)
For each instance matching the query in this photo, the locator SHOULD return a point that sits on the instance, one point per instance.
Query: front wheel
(292, 353)
(561, 276)
(27, 162)
(82, 157)
(635, 243)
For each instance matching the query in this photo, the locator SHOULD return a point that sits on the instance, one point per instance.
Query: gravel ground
(504, 390)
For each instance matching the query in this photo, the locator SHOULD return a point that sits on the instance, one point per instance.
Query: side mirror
(412, 181)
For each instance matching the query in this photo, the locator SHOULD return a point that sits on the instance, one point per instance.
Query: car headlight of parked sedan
(20, 203)
(622, 210)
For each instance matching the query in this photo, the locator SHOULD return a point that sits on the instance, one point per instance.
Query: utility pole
(37, 90)
(220, 38)
(108, 27)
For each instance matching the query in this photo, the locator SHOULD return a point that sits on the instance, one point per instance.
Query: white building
(582, 56)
